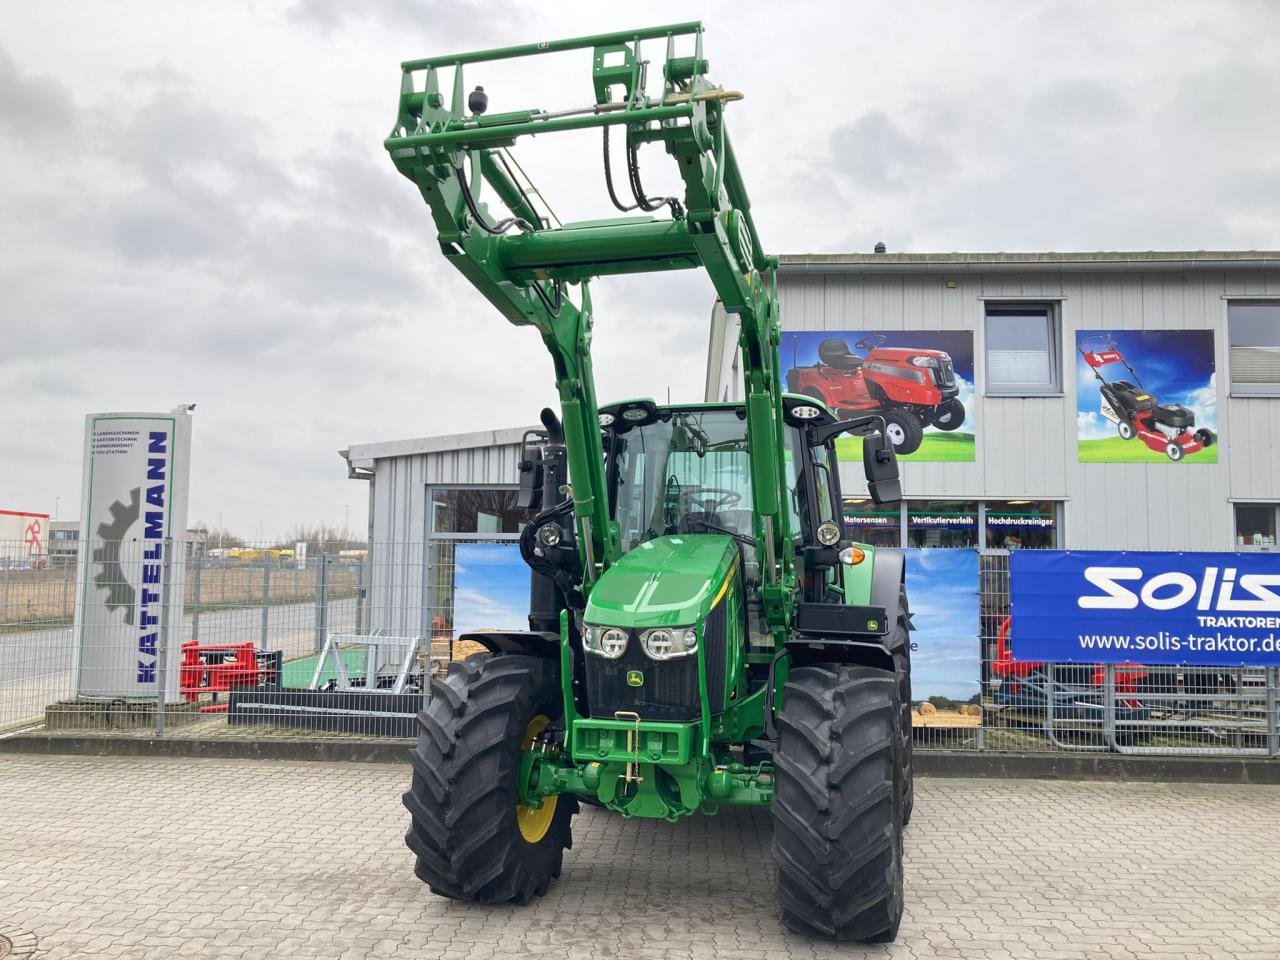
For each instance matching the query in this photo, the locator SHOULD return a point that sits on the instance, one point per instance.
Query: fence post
(8, 575)
(360, 596)
(195, 599)
(162, 646)
(322, 601)
(266, 602)
(1273, 713)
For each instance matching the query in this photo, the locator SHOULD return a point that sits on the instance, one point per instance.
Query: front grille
(669, 691)
(945, 373)
(715, 645)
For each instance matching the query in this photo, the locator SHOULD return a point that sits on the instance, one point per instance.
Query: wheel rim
(534, 822)
(943, 418)
(897, 436)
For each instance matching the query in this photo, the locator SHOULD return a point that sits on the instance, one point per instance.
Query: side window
(1023, 353)
(1253, 330)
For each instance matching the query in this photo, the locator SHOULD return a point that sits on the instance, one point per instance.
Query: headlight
(668, 643)
(550, 534)
(924, 361)
(607, 642)
(606, 419)
(805, 412)
(635, 414)
(828, 533)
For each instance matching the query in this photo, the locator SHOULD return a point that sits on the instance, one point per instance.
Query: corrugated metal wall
(1027, 446)
(398, 558)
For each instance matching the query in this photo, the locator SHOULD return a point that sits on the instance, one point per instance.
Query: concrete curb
(1049, 766)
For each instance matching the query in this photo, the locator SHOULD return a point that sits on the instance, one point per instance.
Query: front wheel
(1125, 429)
(948, 416)
(904, 430)
(1173, 451)
(837, 805)
(472, 837)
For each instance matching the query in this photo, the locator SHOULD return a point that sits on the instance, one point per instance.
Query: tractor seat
(835, 353)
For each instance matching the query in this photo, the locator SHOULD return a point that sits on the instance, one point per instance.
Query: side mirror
(880, 463)
(531, 473)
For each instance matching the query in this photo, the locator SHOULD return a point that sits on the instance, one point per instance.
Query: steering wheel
(714, 498)
(870, 342)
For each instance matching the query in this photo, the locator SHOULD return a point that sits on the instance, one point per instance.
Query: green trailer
(701, 632)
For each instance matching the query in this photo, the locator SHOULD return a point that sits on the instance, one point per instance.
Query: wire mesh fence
(266, 643)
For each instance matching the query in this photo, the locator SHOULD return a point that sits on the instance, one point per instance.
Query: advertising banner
(920, 381)
(490, 588)
(1198, 609)
(24, 539)
(946, 667)
(1146, 396)
(134, 497)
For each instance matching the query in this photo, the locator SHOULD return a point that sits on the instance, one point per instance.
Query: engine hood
(665, 582)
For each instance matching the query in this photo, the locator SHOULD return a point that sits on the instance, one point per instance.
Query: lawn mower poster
(1193, 609)
(920, 381)
(1147, 396)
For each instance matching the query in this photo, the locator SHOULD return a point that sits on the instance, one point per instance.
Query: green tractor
(701, 633)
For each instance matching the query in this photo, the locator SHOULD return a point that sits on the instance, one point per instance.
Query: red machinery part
(1006, 666)
(216, 668)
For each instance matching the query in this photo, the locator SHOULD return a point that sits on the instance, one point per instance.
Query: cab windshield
(688, 473)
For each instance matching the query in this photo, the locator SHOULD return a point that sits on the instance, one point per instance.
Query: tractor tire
(1126, 430)
(899, 643)
(837, 805)
(948, 416)
(904, 429)
(472, 839)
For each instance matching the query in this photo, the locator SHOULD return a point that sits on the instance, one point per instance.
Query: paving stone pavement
(165, 858)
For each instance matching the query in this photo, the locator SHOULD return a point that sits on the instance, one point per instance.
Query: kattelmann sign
(1207, 609)
(133, 510)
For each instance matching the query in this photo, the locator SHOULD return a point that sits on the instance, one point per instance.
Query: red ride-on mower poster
(1146, 396)
(920, 381)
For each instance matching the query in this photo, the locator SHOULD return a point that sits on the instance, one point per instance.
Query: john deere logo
(873, 624)
(635, 678)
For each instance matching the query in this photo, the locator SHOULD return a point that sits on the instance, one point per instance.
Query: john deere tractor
(701, 633)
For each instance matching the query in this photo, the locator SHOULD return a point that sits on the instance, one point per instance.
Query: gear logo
(121, 594)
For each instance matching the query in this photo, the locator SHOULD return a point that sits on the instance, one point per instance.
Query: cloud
(33, 108)
(1203, 402)
(1090, 425)
(875, 152)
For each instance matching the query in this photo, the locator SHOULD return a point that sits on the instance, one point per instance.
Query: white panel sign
(134, 497)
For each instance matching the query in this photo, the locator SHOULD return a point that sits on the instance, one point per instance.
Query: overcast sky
(195, 204)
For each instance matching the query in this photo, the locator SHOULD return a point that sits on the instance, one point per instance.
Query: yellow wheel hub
(534, 822)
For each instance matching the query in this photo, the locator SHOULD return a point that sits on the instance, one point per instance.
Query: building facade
(1036, 462)
(1031, 480)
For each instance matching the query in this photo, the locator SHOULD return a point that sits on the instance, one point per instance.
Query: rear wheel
(472, 837)
(899, 642)
(837, 806)
(948, 416)
(904, 430)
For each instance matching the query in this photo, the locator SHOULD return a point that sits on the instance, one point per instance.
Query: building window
(942, 523)
(1256, 525)
(1253, 330)
(1023, 354)
(879, 524)
(1016, 524)
(474, 512)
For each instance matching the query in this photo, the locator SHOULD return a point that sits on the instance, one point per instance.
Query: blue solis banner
(1198, 609)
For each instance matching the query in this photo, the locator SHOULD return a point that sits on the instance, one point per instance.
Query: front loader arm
(523, 264)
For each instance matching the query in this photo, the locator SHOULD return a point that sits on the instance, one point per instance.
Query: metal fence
(262, 645)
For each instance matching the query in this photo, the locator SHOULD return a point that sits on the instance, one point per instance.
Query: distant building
(64, 542)
(24, 539)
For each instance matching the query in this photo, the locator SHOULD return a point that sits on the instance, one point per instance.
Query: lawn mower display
(909, 387)
(1166, 428)
(702, 634)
